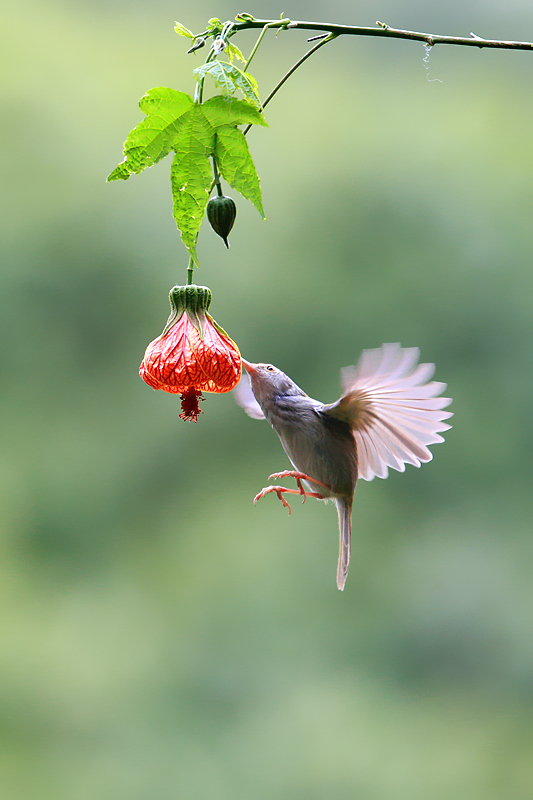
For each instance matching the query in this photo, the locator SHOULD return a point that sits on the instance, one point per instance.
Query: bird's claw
(279, 491)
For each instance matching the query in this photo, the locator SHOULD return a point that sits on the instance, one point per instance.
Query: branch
(245, 21)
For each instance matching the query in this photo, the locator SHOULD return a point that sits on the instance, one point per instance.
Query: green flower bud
(221, 213)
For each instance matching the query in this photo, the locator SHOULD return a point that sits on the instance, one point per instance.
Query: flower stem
(259, 40)
(216, 178)
(277, 87)
(190, 271)
(199, 89)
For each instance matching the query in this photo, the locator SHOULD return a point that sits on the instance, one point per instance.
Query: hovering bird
(388, 413)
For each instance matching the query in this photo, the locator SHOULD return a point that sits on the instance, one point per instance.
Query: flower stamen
(189, 404)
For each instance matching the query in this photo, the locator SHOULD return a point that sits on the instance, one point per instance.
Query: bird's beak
(250, 368)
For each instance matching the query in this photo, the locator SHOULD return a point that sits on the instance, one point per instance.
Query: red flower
(193, 354)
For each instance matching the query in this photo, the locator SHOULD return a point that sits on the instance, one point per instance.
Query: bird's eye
(270, 368)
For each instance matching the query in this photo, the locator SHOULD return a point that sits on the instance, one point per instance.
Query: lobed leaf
(231, 77)
(219, 75)
(191, 176)
(195, 132)
(221, 110)
(243, 81)
(236, 165)
(154, 137)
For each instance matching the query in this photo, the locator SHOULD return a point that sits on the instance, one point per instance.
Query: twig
(324, 40)
(246, 21)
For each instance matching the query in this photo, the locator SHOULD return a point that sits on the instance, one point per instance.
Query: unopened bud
(198, 43)
(221, 213)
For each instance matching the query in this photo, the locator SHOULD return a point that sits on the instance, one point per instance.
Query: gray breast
(318, 445)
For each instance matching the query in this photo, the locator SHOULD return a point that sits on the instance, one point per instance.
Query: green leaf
(219, 75)
(183, 31)
(235, 164)
(243, 81)
(191, 176)
(230, 111)
(153, 138)
(214, 25)
(228, 77)
(233, 52)
(174, 122)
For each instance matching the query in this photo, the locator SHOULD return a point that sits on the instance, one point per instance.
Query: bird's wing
(393, 409)
(245, 398)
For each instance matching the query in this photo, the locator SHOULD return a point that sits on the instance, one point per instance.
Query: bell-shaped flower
(193, 354)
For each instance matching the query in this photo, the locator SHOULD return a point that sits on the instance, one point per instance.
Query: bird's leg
(301, 476)
(292, 473)
(281, 490)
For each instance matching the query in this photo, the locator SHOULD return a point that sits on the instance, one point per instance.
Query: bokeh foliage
(163, 638)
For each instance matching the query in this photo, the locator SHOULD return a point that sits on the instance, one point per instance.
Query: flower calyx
(192, 300)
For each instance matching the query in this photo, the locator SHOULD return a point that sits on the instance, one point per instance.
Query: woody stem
(245, 21)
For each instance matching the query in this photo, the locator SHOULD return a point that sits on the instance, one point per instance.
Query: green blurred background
(162, 637)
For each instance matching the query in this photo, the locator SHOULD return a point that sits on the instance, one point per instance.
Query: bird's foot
(301, 476)
(281, 490)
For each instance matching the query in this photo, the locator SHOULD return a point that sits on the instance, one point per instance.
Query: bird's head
(269, 382)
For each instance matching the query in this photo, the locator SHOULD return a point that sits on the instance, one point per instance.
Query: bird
(388, 414)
